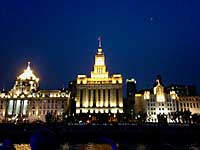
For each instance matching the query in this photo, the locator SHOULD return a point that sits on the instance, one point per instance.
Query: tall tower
(99, 93)
(99, 66)
(130, 95)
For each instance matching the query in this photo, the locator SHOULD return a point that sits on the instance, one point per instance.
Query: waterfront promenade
(84, 133)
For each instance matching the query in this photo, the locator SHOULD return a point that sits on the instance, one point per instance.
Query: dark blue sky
(140, 38)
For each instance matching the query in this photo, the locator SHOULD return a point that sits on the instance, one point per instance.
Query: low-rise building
(160, 102)
(25, 102)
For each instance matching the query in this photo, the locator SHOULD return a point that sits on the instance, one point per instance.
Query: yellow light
(120, 104)
(113, 110)
(106, 104)
(101, 104)
(22, 96)
(120, 110)
(131, 80)
(146, 95)
(173, 94)
(99, 61)
(160, 98)
(77, 104)
(97, 104)
(86, 104)
(77, 111)
(28, 74)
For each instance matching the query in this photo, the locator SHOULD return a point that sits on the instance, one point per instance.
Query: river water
(101, 146)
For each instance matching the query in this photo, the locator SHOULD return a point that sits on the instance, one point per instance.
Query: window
(194, 105)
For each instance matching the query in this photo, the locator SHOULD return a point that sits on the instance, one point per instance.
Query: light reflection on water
(94, 146)
(89, 146)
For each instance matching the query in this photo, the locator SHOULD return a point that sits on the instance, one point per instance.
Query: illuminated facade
(159, 101)
(191, 103)
(156, 102)
(99, 93)
(25, 102)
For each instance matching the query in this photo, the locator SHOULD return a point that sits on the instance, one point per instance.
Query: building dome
(28, 74)
(26, 83)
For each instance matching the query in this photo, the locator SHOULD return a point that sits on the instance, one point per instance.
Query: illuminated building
(161, 101)
(156, 102)
(99, 93)
(25, 102)
(191, 103)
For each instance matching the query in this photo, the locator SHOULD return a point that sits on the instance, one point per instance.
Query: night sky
(140, 39)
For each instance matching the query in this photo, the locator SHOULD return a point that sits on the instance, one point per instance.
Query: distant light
(131, 80)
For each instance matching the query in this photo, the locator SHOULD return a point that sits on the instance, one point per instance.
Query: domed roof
(28, 74)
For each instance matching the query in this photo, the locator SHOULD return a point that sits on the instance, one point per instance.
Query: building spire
(28, 67)
(99, 48)
(99, 39)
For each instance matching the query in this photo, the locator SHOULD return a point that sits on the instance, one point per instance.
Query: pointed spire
(99, 48)
(28, 67)
(99, 39)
